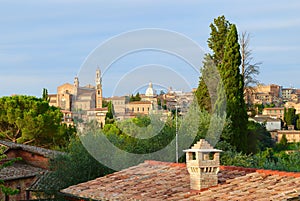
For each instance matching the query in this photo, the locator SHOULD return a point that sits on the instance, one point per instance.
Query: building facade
(80, 102)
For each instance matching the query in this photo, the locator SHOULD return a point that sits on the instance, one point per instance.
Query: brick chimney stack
(203, 162)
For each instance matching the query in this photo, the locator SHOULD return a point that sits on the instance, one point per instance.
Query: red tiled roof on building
(140, 102)
(153, 180)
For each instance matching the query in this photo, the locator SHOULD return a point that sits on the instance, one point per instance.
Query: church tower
(76, 85)
(98, 89)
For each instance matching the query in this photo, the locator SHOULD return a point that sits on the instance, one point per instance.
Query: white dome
(150, 91)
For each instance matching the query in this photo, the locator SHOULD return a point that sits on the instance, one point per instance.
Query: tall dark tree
(202, 95)
(216, 43)
(233, 86)
(206, 92)
(45, 96)
(290, 116)
(109, 117)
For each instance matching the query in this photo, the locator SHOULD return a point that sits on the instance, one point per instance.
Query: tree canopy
(213, 95)
(30, 120)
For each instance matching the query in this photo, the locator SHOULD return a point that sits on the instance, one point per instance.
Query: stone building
(124, 108)
(25, 173)
(272, 124)
(287, 93)
(275, 112)
(291, 135)
(263, 94)
(80, 102)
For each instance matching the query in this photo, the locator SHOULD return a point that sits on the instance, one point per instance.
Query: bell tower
(98, 89)
(76, 85)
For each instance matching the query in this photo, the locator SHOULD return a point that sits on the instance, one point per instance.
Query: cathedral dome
(150, 91)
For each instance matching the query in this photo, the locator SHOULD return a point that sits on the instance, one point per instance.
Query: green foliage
(109, 118)
(258, 137)
(217, 40)
(45, 96)
(267, 159)
(259, 108)
(72, 168)
(135, 98)
(233, 86)
(206, 92)
(298, 122)
(283, 144)
(202, 95)
(30, 120)
(290, 116)
(206, 96)
(231, 157)
(126, 136)
(105, 103)
(226, 57)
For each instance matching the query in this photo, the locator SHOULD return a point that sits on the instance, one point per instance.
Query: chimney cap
(203, 150)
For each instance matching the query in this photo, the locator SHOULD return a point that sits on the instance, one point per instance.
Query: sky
(44, 44)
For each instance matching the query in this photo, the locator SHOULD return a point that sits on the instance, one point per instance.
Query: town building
(271, 124)
(263, 94)
(274, 112)
(23, 174)
(80, 102)
(287, 93)
(291, 135)
(124, 108)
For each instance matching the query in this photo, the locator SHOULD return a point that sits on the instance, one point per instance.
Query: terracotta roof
(295, 132)
(140, 102)
(19, 170)
(33, 149)
(105, 109)
(274, 108)
(153, 180)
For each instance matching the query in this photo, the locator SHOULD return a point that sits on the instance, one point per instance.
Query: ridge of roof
(232, 168)
(38, 150)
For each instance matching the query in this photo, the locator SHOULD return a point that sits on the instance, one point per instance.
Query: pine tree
(233, 86)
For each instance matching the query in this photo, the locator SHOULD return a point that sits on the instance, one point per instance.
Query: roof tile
(154, 180)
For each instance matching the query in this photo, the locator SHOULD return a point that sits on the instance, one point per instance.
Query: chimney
(203, 162)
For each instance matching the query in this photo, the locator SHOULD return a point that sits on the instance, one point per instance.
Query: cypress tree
(216, 42)
(233, 86)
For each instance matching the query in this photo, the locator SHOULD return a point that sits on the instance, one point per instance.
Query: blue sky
(43, 44)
